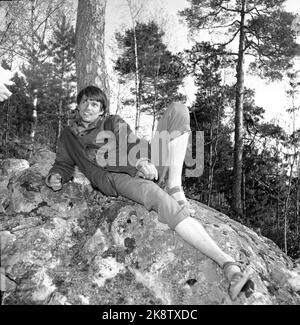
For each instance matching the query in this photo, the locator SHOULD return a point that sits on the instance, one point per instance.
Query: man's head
(92, 103)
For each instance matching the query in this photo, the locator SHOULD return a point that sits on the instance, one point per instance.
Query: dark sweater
(104, 146)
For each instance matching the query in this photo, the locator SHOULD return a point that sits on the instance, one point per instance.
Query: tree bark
(239, 127)
(137, 81)
(7, 129)
(59, 121)
(155, 94)
(286, 206)
(60, 106)
(297, 207)
(277, 185)
(137, 76)
(210, 164)
(35, 91)
(34, 124)
(212, 169)
(90, 40)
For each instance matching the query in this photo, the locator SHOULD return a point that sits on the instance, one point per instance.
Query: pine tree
(15, 124)
(263, 31)
(160, 72)
(63, 86)
(207, 114)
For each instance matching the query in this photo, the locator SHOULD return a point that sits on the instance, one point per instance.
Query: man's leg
(176, 122)
(152, 197)
(177, 118)
(169, 211)
(194, 234)
(177, 151)
(177, 217)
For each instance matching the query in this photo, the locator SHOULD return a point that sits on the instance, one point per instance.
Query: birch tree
(134, 13)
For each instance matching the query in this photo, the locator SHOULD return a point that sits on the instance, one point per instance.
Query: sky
(270, 96)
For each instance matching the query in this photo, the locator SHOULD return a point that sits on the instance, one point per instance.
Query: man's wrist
(47, 179)
(141, 161)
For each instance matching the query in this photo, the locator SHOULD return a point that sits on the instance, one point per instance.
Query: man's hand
(146, 170)
(5, 76)
(55, 182)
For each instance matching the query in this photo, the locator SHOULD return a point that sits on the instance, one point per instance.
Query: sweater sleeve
(64, 164)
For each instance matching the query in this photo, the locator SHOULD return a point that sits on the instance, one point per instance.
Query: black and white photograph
(149, 155)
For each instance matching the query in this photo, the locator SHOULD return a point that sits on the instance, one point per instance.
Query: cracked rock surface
(77, 246)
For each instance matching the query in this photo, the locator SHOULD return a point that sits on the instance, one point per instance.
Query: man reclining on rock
(116, 163)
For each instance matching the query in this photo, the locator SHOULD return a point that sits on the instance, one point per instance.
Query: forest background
(251, 164)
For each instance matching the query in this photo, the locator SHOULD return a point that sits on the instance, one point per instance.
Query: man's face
(89, 109)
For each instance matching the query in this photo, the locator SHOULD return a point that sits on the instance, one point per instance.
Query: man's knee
(150, 194)
(155, 198)
(179, 111)
(170, 212)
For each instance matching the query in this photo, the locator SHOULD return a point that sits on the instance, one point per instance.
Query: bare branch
(231, 40)
(49, 15)
(7, 50)
(212, 14)
(231, 10)
(221, 26)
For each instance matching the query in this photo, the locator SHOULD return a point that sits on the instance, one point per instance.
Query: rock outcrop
(76, 246)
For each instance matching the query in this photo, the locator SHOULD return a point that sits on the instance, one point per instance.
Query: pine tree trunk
(59, 124)
(210, 165)
(118, 98)
(34, 124)
(137, 84)
(297, 208)
(286, 205)
(277, 184)
(277, 213)
(215, 154)
(155, 94)
(153, 123)
(137, 77)
(90, 40)
(60, 106)
(7, 129)
(244, 194)
(34, 112)
(239, 128)
(154, 108)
